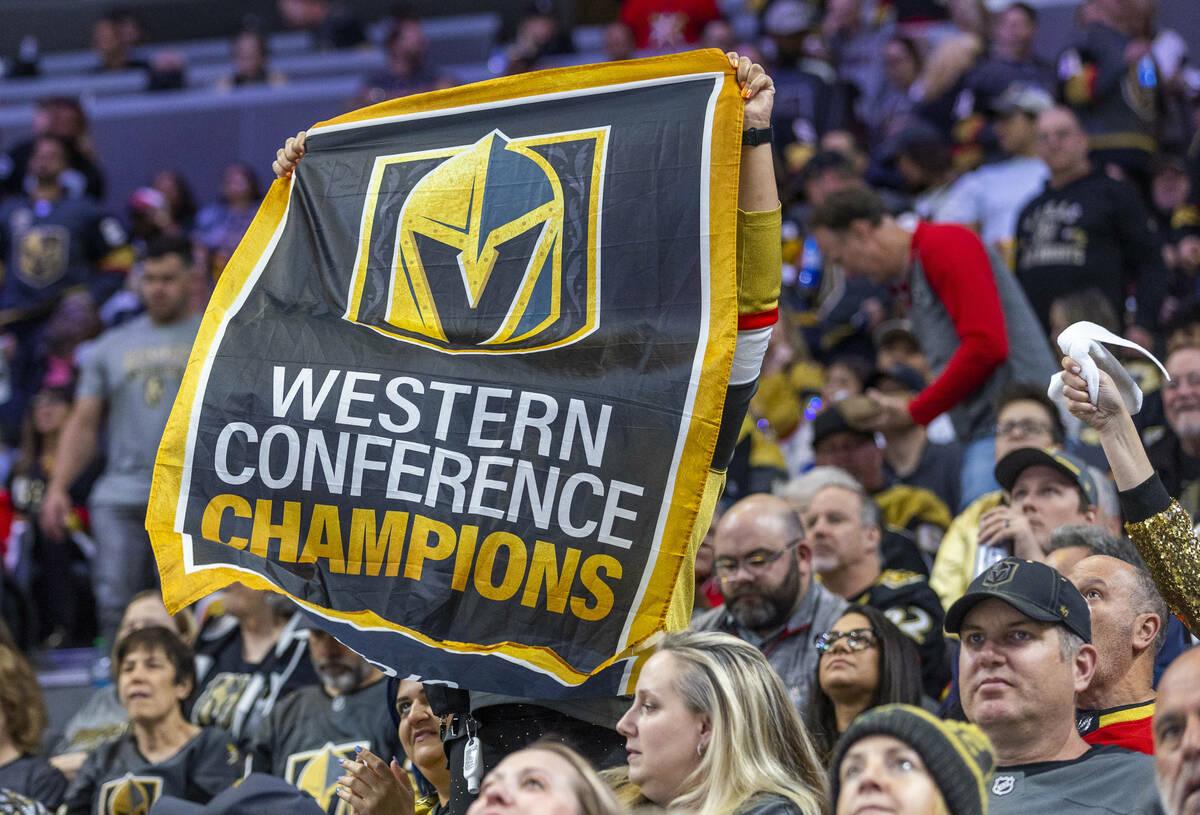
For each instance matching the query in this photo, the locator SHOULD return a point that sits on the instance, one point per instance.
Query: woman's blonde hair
(758, 743)
(21, 700)
(595, 798)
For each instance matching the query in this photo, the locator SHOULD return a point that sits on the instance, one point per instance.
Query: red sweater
(960, 273)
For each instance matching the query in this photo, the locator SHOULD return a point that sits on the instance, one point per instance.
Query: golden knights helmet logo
(42, 256)
(316, 772)
(487, 248)
(130, 795)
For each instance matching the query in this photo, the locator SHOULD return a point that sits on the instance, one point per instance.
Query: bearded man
(764, 565)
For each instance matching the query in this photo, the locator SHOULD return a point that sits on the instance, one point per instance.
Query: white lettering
(221, 454)
(349, 394)
(280, 403)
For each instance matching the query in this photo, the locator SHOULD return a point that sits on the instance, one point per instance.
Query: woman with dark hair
(372, 786)
(22, 722)
(178, 194)
(866, 661)
(101, 717)
(220, 226)
(163, 753)
(55, 573)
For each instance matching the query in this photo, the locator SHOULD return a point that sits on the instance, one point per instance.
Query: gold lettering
(214, 513)
(389, 541)
(287, 531)
(487, 561)
(599, 589)
(325, 539)
(544, 569)
(468, 536)
(419, 549)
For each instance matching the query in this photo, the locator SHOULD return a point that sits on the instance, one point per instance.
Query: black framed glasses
(756, 564)
(858, 639)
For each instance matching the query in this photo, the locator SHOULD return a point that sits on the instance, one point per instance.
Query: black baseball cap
(1009, 468)
(1036, 590)
(833, 420)
(907, 377)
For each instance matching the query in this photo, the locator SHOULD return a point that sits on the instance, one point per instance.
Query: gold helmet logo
(488, 248)
(43, 255)
(130, 795)
(316, 772)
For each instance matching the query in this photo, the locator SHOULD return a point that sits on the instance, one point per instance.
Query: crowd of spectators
(929, 587)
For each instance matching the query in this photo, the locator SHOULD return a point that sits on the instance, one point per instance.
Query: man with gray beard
(308, 731)
(1177, 736)
(1176, 456)
(764, 566)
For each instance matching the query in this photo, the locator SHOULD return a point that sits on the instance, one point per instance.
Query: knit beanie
(957, 755)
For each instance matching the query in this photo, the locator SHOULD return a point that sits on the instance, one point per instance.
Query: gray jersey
(136, 369)
(1104, 779)
(790, 649)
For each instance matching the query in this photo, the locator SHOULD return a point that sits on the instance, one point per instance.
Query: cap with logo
(1009, 468)
(1036, 590)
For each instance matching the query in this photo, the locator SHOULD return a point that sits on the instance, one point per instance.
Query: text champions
(390, 475)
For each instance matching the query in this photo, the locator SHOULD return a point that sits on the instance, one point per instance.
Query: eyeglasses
(727, 567)
(859, 639)
(1026, 427)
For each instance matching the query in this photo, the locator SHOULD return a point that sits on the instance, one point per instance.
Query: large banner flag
(458, 390)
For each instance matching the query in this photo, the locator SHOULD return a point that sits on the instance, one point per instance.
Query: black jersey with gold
(909, 602)
(306, 733)
(116, 779)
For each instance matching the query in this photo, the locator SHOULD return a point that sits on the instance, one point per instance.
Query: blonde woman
(546, 778)
(713, 731)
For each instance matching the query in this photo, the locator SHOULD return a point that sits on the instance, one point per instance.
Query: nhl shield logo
(1003, 784)
(485, 248)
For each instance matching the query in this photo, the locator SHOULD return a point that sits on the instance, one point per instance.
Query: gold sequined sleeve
(1167, 542)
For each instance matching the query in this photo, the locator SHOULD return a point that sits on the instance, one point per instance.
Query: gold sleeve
(1167, 542)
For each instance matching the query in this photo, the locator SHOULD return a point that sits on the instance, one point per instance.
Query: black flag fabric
(458, 390)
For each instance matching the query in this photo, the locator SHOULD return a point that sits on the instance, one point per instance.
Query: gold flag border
(659, 592)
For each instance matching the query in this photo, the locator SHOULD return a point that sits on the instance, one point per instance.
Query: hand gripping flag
(458, 390)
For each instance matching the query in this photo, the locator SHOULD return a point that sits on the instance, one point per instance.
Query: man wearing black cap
(1046, 489)
(1026, 653)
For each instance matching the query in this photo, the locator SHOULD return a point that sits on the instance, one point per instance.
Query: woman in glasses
(865, 661)
(712, 731)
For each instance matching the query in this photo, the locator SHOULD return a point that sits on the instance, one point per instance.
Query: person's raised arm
(1159, 527)
(756, 183)
(76, 449)
(1118, 435)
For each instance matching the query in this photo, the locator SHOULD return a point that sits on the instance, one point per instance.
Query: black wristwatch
(754, 136)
